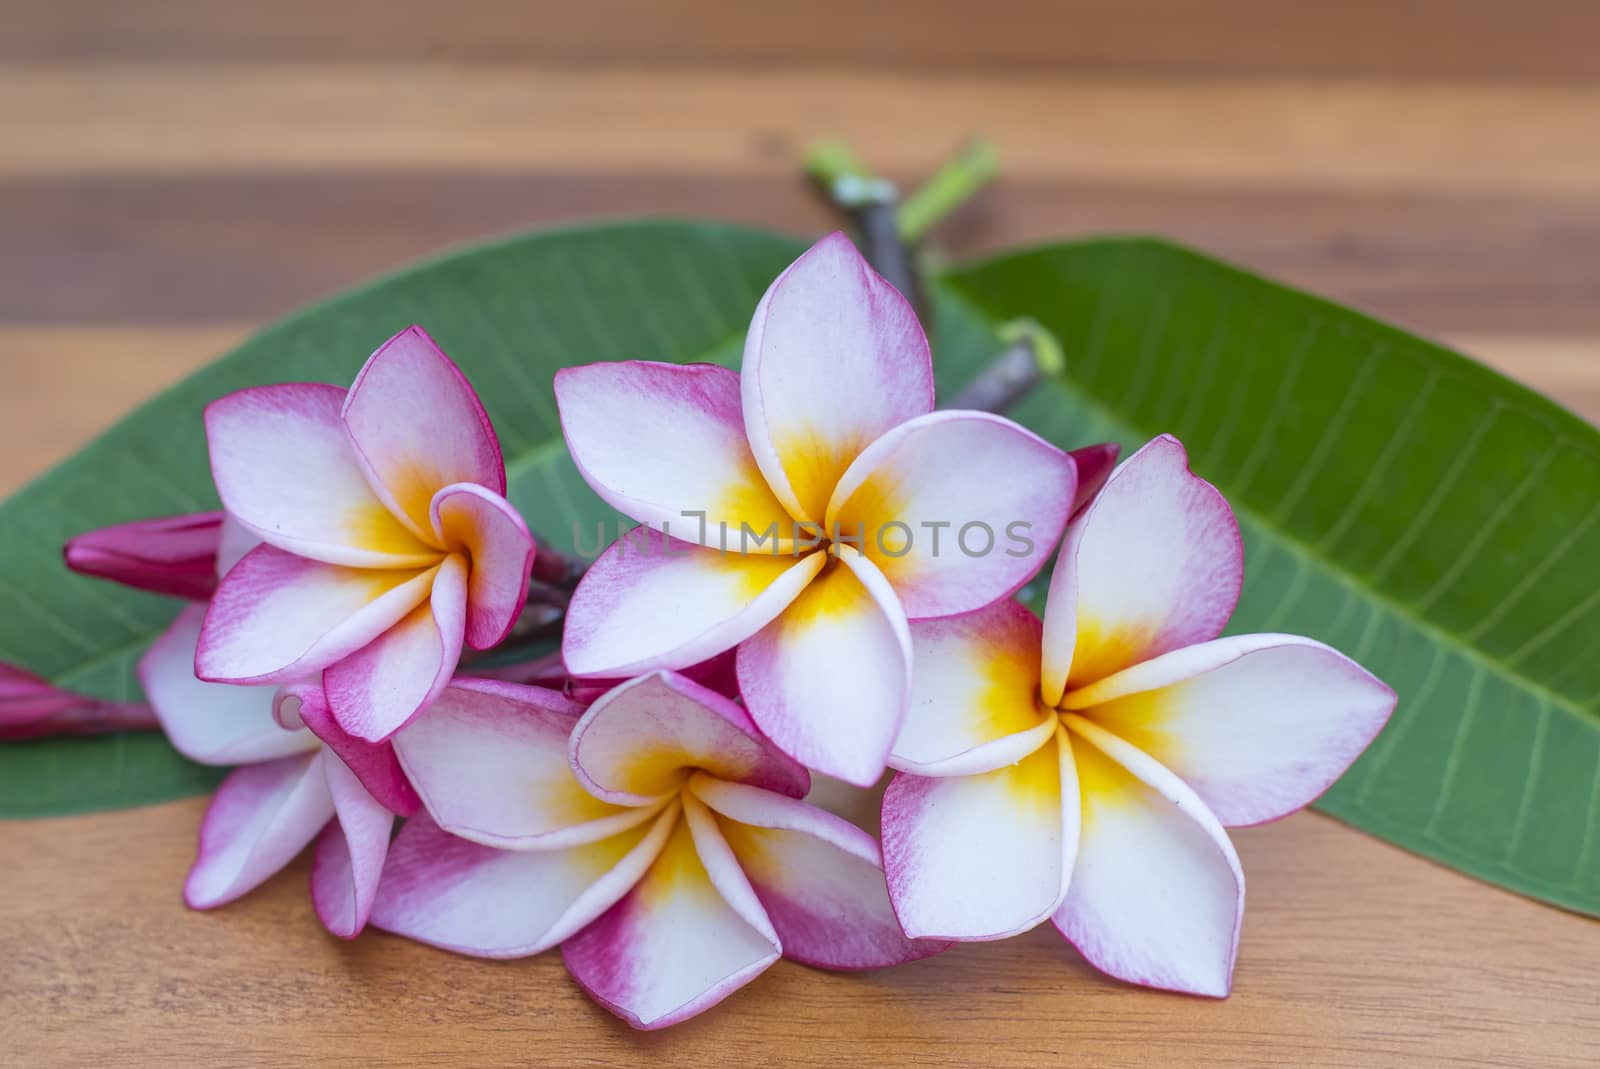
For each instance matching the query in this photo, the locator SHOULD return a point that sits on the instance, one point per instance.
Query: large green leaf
(1416, 510)
(1422, 513)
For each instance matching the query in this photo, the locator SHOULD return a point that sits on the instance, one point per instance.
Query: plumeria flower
(657, 837)
(173, 555)
(387, 537)
(803, 509)
(1083, 769)
(291, 786)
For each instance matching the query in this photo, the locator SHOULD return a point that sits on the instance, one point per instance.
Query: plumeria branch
(544, 612)
(1032, 353)
(838, 170)
(553, 568)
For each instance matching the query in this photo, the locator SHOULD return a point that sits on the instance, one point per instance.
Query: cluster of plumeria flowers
(641, 801)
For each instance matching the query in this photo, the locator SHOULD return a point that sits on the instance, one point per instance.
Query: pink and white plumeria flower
(387, 537)
(657, 837)
(290, 787)
(1083, 769)
(803, 509)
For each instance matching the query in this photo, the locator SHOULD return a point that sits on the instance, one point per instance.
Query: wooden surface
(175, 175)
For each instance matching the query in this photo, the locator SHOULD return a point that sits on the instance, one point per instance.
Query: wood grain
(147, 249)
(1292, 132)
(1532, 40)
(1353, 955)
(176, 173)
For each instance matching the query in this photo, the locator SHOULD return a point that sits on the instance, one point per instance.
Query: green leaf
(510, 313)
(1432, 519)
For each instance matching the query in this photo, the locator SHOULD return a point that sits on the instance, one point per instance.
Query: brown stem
(1003, 383)
(553, 568)
(874, 206)
(1031, 355)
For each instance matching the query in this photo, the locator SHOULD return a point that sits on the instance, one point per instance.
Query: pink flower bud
(31, 707)
(174, 555)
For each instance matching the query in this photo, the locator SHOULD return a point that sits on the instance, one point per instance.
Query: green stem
(950, 186)
(830, 162)
(850, 183)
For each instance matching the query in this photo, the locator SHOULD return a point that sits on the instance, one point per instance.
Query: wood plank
(205, 117)
(247, 248)
(1534, 39)
(1353, 954)
(66, 384)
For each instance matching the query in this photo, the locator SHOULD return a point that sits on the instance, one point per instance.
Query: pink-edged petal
(213, 723)
(284, 468)
(653, 602)
(1095, 463)
(373, 763)
(833, 359)
(984, 856)
(974, 702)
(1154, 564)
(489, 760)
(174, 555)
(379, 688)
(721, 864)
(277, 617)
(673, 946)
(473, 899)
(1258, 725)
(259, 819)
(416, 425)
(1157, 893)
(827, 680)
(350, 853)
(819, 878)
(957, 509)
(665, 444)
(642, 740)
(482, 526)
